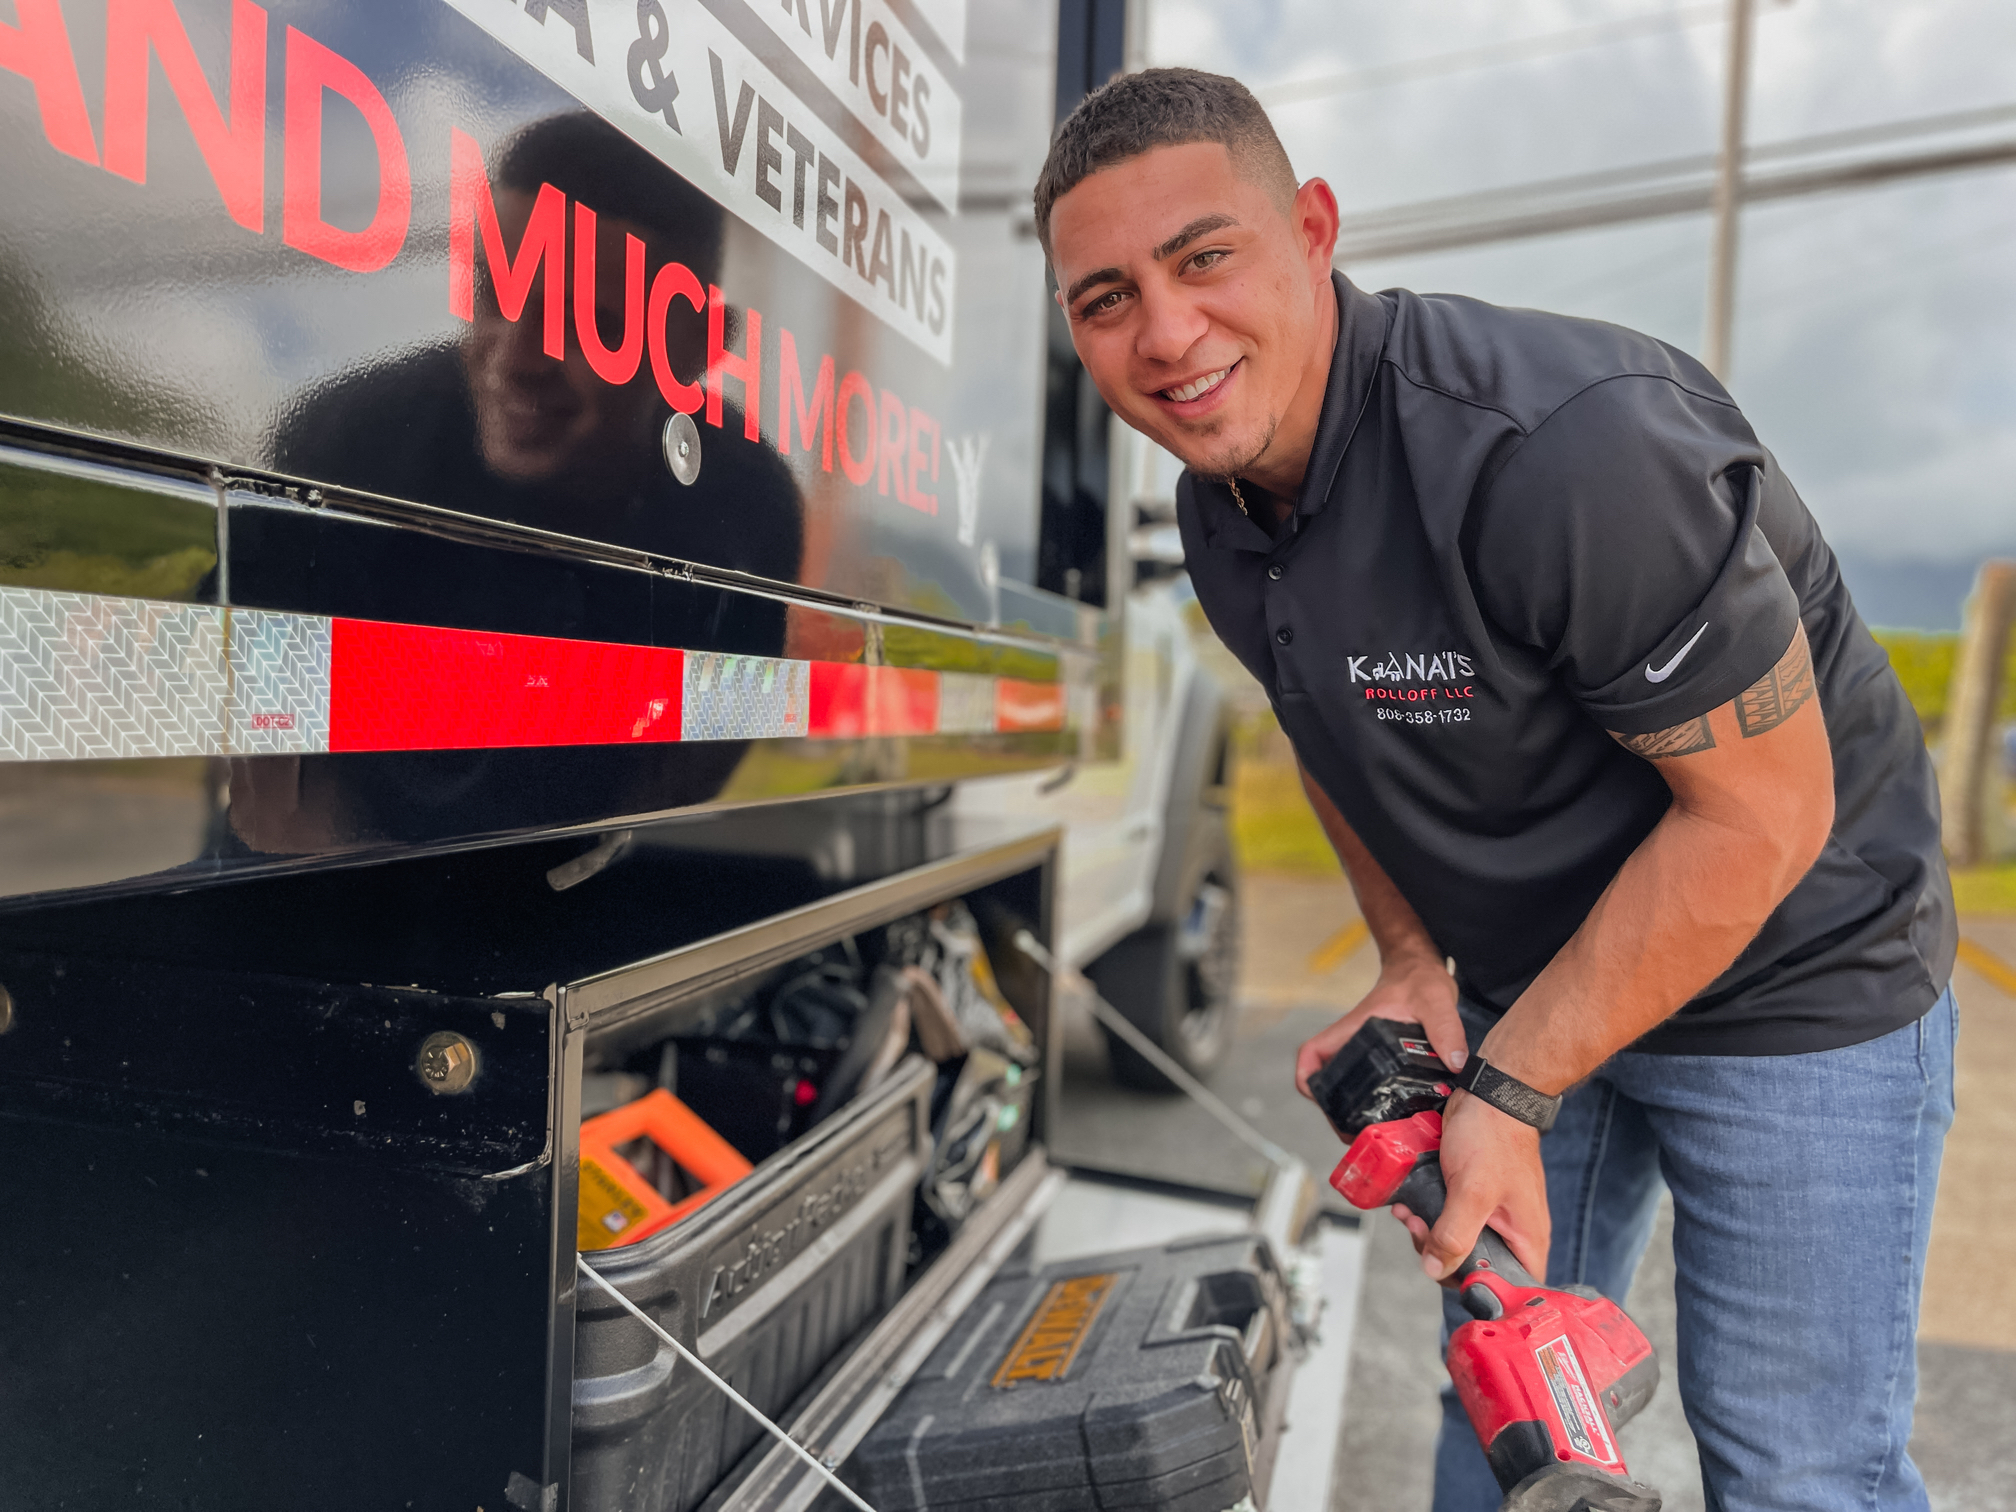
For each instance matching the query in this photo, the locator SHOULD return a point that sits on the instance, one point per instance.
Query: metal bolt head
(447, 1062)
(681, 444)
(6, 1010)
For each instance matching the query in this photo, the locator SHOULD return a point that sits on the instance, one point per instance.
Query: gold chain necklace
(1239, 498)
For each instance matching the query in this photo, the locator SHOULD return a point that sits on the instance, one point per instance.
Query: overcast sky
(1875, 346)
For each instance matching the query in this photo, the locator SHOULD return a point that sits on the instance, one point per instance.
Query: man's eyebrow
(1104, 275)
(1190, 233)
(1204, 224)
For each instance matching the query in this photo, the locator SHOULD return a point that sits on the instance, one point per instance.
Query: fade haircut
(1162, 107)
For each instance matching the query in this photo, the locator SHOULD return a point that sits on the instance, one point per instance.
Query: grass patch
(1986, 889)
(1273, 827)
(1923, 661)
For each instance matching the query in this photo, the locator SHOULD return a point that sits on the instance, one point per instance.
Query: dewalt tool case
(1133, 1379)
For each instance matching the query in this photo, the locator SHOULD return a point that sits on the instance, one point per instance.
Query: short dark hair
(587, 159)
(1162, 107)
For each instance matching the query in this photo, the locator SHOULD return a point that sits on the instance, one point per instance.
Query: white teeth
(1197, 386)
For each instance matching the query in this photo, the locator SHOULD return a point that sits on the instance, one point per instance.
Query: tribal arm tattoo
(1760, 708)
(1680, 740)
(1778, 694)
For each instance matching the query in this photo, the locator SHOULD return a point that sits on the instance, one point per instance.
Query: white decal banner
(671, 77)
(867, 57)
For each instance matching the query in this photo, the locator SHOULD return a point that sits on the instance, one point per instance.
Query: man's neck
(1280, 469)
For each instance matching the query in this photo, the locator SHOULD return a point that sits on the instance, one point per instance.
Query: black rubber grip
(1424, 1194)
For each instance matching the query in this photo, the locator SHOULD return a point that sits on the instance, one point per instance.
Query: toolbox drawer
(767, 1283)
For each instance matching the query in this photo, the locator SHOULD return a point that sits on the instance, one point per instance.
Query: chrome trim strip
(662, 982)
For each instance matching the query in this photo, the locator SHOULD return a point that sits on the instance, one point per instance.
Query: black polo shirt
(1519, 531)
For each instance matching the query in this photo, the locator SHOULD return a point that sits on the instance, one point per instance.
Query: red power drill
(1547, 1374)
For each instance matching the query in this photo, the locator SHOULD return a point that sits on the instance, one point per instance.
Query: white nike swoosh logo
(1660, 674)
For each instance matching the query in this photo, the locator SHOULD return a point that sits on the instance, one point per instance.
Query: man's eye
(1208, 258)
(1103, 303)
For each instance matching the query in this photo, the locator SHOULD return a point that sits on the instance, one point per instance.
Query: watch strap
(1508, 1094)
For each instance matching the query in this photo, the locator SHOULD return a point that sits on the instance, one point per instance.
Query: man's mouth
(1196, 388)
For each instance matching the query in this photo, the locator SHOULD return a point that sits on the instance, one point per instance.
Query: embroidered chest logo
(1443, 681)
(1429, 666)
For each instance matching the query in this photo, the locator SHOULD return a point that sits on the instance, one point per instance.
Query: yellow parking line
(1988, 964)
(1336, 950)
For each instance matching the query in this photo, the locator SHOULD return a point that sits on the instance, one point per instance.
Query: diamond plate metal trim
(280, 675)
(965, 704)
(744, 697)
(87, 677)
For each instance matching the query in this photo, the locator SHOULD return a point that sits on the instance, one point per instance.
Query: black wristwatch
(1508, 1094)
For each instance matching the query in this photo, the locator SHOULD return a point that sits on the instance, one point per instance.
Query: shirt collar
(1362, 323)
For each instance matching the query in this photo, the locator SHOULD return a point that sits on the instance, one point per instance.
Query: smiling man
(1582, 702)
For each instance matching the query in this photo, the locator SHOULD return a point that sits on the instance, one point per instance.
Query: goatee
(1225, 468)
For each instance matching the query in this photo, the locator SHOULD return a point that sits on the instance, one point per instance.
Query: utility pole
(1965, 762)
(1728, 193)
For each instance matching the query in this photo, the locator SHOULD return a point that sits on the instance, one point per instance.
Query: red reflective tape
(850, 701)
(904, 701)
(838, 706)
(412, 688)
(1028, 705)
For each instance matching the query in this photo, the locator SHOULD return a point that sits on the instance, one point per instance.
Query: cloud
(1876, 339)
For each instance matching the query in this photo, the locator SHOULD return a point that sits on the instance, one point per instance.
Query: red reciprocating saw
(1547, 1374)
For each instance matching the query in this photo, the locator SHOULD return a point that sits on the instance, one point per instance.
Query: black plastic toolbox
(1134, 1379)
(767, 1283)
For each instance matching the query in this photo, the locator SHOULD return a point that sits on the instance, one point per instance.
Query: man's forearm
(1395, 928)
(1748, 818)
(1413, 985)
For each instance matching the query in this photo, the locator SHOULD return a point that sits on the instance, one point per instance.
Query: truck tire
(1177, 982)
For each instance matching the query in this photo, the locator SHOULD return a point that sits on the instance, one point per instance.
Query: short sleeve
(1621, 541)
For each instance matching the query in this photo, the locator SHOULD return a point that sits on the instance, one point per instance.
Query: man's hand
(1491, 1164)
(1415, 989)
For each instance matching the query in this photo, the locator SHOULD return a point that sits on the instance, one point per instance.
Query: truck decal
(866, 67)
(827, 132)
(92, 676)
(766, 151)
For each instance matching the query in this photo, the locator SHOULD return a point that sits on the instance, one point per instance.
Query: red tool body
(1546, 1374)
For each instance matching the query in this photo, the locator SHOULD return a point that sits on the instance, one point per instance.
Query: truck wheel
(1178, 982)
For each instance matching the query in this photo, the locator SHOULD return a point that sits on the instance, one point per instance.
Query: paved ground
(1292, 985)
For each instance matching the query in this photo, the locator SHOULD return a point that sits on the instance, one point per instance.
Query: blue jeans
(1802, 1202)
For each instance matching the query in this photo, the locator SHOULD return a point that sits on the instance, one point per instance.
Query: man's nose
(1170, 325)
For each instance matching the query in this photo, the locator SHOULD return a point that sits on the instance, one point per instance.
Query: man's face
(542, 421)
(1194, 304)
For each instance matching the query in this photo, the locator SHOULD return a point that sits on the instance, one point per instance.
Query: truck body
(527, 526)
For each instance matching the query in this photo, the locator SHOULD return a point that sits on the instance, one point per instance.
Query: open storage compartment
(863, 1176)
(380, 1074)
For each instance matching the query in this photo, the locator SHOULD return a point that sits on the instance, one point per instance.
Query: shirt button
(1275, 571)
(1284, 635)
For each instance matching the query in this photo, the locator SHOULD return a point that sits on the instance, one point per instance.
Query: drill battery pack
(1390, 1072)
(1141, 1378)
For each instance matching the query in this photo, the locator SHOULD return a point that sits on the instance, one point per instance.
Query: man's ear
(1316, 218)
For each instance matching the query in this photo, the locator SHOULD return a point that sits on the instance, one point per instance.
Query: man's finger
(1417, 1231)
(1454, 1234)
(1445, 1033)
(1307, 1063)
